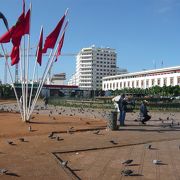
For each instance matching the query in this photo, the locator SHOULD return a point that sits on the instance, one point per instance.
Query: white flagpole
(39, 87)
(6, 59)
(22, 84)
(27, 66)
(48, 66)
(34, 71)
(46, 73)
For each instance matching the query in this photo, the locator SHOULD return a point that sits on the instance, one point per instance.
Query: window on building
(117, 85)
(178, 80)
(142, 83)
(120, 84)
(147, 83)
(171, 81)
(113, 85)
(158, 82)
(165, 81)
(132, 83)
(152, 82)
(124, 84)
(137, 83)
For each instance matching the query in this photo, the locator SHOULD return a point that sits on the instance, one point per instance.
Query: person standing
(122, 104)
(45, 101)
(144, 117)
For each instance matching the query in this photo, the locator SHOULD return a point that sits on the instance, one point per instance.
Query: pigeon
(97, 132)
(21, 139)
(148, 146)
(51, 135)
(127, 172)
(29, 128)
(113, 142)
(10, 142)
(64, 163)
(129, 161)
(160, 119)
(3, 171)
(155, 161)
(59, 139)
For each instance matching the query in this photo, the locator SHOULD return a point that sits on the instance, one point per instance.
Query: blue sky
(141, 31)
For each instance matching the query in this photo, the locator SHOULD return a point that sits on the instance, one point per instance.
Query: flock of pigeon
(86, 112)
(129, 172)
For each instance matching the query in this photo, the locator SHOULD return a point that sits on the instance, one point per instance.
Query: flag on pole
(5, 38)
(39, 48)
(27, 22)
(60, 45)
(53, 36)
(4, 20)
(14, 55)
(21, 28)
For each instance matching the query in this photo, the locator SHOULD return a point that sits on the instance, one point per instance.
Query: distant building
(143, 79)
(121, 71)
(92, 64)
(58, 79)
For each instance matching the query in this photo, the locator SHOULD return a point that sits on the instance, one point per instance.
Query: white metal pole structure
(41, 83)
(39, 87)
(22, 82)
(46, 73)
(6, 59)
(27, 65)
(33, 78)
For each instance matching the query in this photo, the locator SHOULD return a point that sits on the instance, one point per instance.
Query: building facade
(143, 79)
(92, 64)
(58, 79)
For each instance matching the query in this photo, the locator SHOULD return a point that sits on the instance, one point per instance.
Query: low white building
(58, 79)
(143, 79)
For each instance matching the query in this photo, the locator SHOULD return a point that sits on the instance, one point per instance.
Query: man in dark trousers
(144, 112)
(122, 104)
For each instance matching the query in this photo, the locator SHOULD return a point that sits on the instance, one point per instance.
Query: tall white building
(92, 64)
(143, 79)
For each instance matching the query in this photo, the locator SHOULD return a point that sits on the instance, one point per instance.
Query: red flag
(39, 48)
(53, 36)
(27, 22)
(60, 45)
(5, 38)
(14, 55)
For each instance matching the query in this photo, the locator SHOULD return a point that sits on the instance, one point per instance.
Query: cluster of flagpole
(19, 53)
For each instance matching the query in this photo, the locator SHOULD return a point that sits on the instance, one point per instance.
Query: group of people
(122, 105)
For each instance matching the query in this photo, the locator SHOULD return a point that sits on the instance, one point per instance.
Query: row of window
(140, 83)
(143, 75)
(112, 55)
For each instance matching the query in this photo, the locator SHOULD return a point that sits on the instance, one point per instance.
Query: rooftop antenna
(162, 63)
